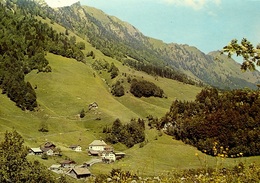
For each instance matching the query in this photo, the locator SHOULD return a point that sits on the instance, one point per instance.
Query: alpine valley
(74, 75)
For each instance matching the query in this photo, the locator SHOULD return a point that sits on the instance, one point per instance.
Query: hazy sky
(207, 24)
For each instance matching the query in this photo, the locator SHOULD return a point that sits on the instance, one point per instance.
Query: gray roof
(81, 171)
(36, 150)
(98, 143)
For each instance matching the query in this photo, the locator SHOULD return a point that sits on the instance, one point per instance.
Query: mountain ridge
(187, 59)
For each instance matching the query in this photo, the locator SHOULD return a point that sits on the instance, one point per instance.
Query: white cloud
(60, 3)
(195, 4)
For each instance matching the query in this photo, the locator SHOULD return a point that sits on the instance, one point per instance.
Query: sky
(208, 25)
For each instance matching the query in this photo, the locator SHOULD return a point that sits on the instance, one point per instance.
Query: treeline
(128, 134)
(216, 122)
(161, 71)
(23, 44)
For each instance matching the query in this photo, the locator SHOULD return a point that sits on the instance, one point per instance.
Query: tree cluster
(118, 89)
(62, 45)
(217, 121)
(104, 65)
(128, 134)
(145, 89)
(161, 71)
(100, 64)
(113, 70)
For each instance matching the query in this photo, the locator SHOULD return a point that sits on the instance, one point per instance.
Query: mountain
(121, 40)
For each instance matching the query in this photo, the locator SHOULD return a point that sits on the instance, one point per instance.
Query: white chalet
(97, 146)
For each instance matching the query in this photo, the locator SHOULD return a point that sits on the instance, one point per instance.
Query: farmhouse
(49, 145)
(79, 173)
(76, 148)
(96, 147)
(55, 167)
(92, 106)
(35, 151)
(48, 151)
(67, 163)
(108, 157)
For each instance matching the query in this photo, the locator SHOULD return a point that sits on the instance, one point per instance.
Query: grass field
(71, 87)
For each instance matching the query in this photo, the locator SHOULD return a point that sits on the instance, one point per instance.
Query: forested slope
(218, 123)
(24, 42)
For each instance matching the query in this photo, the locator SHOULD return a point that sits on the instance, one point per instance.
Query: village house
(35, 151)
(79, 173)
(48, 151)
(108, 157)
(96, 147)
(67, 163)
(76, 148)
(49, 145)
(55, 167)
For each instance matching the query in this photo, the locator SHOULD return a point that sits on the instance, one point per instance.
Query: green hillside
(70, 87)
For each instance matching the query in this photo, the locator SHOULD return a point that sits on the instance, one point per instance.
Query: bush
(82, 113)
